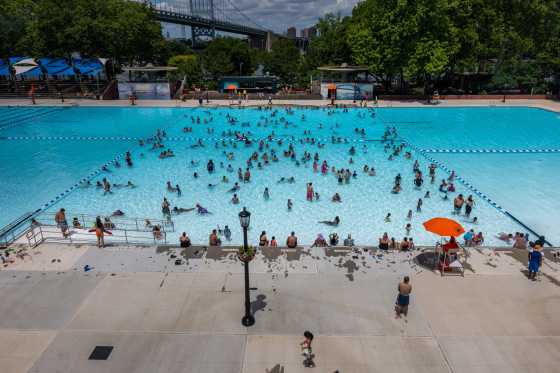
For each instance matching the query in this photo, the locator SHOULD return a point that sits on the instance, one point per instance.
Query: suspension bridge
(205, 17)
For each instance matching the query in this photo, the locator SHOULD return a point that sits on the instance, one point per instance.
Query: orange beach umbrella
(444, 227)
(331, 87)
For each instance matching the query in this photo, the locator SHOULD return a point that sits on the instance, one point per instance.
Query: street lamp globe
(245, 218)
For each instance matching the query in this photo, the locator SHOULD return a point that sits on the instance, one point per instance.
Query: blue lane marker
(108, 163)
(34, 117)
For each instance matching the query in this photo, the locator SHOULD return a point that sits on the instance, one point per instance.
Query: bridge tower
(203, 9)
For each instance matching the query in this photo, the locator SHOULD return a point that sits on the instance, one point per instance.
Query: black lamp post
(355, 87)
(245, 219)
(60, 91)
(505, 85)
(207, 98)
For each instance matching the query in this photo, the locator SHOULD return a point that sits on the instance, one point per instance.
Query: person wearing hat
(536, 255)
(320, 241)
(201, 210)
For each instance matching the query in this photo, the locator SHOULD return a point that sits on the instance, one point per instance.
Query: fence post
(125, 237)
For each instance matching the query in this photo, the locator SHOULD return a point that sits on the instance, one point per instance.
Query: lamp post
(355, 87)
(245, 219)
(59, 86)
(241, 64)
(207, 97)
(505, 85)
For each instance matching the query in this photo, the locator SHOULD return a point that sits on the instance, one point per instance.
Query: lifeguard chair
(447, 257)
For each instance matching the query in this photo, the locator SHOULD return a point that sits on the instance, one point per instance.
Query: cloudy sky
(278, 15)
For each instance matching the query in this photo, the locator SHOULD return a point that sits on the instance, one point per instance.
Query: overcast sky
(278, 15)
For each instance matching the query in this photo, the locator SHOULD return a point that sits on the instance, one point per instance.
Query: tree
(283, 60)
(124, 30)
(226, 57)
(172, 49)
(189, 66)
(15, 17)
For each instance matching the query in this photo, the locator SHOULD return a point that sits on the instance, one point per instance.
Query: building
(291, 32)
(312, 31)
(304, 34)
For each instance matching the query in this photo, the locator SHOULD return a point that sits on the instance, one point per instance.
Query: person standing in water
(309, 192)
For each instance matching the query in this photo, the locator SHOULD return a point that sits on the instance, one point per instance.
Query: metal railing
(40, 226)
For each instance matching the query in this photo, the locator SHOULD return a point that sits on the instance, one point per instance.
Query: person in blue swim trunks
(334, 223)
(536, 255)
(403, 299)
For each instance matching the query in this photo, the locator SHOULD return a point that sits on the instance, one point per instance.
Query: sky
(279, 15)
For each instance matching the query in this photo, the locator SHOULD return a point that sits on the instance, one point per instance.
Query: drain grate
(101, 352)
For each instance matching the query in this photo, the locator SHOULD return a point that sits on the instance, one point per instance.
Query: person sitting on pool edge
(333, 238)
(349, 241)
(184, 240)
(291, 242)
(334, 223)
(214, 240)
(320, 241)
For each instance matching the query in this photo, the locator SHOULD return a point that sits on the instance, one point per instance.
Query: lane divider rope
(491, 151)
(33, 117)
(73, 187)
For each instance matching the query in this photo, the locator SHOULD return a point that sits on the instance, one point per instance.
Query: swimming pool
(366, 200)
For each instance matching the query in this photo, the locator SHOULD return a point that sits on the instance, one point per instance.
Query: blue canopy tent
(16, 59)
(48, 61)
(5, 71)
(54, 69)
(35, 71)
(94, 72)
(68, 71)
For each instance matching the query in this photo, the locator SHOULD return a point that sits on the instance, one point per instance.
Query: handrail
(83, 234)
(18, 227)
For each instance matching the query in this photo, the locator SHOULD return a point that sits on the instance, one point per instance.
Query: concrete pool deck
(162, 317)
(551, 105)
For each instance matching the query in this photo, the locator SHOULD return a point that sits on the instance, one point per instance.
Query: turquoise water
(366, 200)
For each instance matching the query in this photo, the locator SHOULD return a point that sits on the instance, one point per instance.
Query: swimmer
(474, 220)
(427, 195)
(505, 237)
(99, 186)
(409, 216)
(408, 229)
(117, 185)
(225, 180)
(201, 210)
(118, 213)
(177, 189)
(290, 204)
(117, 164)
(235, 199)
(179, 210)
(317, 196)
(227, 233)
(388, 218)
(212, 185)
(169, 187)
(193, 163)
(105, 169)
(333, 223)
(130, 185)
(336, 198)
(396, 189)
(235, 188)
(265, 194)
(87, 184)
(445, 197)
(281, 180)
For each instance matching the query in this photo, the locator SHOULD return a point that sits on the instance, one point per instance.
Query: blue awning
(5, 71)
(86, 69)
(16, 59)
(79, 61)
(46, 61)
(94, 72)
(54, 69)
(35, 71)
(68, 71)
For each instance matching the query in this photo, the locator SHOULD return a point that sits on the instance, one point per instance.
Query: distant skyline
(279, 15)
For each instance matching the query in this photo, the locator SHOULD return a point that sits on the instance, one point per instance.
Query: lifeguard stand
(447, 258)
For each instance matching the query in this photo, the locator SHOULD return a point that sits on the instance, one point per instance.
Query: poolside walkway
(162, 317)
(552, 105)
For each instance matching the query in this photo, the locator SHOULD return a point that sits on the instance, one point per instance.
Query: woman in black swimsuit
(404, 245)
(184, 240)
(384, 242)
(263, 241)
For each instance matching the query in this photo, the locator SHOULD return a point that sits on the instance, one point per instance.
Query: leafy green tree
(125, 30)
(283, 60)
(172, 49)
(227, 57)
(15, 17)
(188, 66)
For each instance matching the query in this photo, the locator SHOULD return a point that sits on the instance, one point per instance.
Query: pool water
(42, 169)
